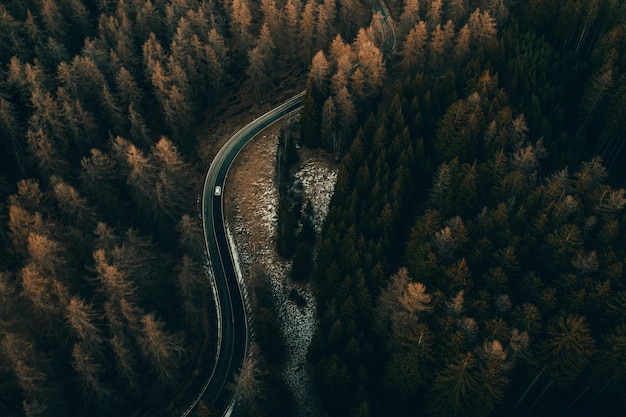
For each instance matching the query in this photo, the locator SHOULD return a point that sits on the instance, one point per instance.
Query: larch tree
(191, 281)
(191, 236)
(88, 76)
(347, 119)
(147, 20)
(82, 318)
(9, 124)
(53, 19)
(326, 15)
(29, 195)
(89, 372)
(28, 367)
(105, 237)
(46, 112)
(456, 10)
(319, 72)
(436, 50)
(24, 79)
(127, 88)
(291, 18)
(126, 360)
(414, 299)
(178, 103)
(308, 25)
(241, 19)
(338, 51)
(216, 41)
(409, 18)
(329, 125)
(47, 255)
(137, 258)
(112, 111)
(115, 284)
(139, 132)
(98, 175)
(414, 50)
(462, 44)
(499, 10)
(73, 206)
(433, 16)
(271, 18)
(141, 172)
(174, 182)
(482, 27)
(371, 62)
(247, 381)
(21, 223)
(39, 289)
(163, 349)
(347, 15)
(261, 62)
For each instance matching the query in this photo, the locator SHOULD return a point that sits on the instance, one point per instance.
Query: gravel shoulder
(251, 202)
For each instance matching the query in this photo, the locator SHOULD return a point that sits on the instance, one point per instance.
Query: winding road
(232, 326)
(232, 322)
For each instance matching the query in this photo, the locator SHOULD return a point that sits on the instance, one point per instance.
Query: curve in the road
(232, 321)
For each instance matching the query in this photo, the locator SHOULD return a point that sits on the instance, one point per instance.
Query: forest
(472, 262)
(472, 259)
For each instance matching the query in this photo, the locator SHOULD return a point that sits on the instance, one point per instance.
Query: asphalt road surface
(232, 320)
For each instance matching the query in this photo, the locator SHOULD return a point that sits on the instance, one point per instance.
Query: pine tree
(567, 348)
